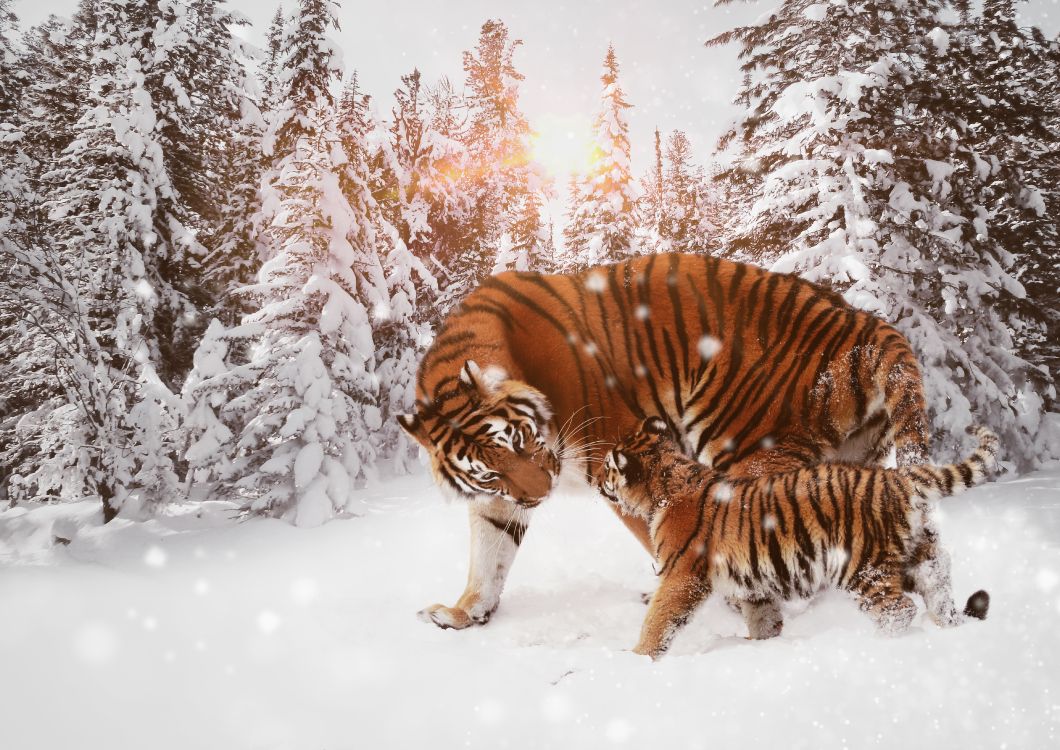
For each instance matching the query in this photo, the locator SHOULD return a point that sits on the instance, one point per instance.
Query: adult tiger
(756, 372)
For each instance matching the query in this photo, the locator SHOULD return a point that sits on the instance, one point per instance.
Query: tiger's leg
(497, 529)
(672, 604)
(928, 574)
(763, 616)
(879, 593)
(906, 409)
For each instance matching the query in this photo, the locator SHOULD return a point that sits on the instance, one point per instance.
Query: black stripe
(513, 528)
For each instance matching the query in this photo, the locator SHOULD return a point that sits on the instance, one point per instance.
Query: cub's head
(625, 471)
(488, 436)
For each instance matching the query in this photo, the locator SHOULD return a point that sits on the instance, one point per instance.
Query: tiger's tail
(944, 481)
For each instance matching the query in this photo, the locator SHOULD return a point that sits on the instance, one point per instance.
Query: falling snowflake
(709, 346)
(1046, 579)
(155, 557)
(490, 711)
(643, 312)
(723, 492)
(555, 707)
(837, 557)
(95, 643)
(596, 283)
(618, 730)
(304, 590)
(769, 522)
(268, 622)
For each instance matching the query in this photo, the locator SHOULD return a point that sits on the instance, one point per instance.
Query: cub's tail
(977, 606)
(943, 481)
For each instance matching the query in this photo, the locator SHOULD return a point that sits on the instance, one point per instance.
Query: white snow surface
(192, 631)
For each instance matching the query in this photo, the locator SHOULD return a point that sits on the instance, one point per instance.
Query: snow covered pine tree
(862, 175)
(310, 404)
(602, 218)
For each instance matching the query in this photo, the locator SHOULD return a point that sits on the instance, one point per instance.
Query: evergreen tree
(333, 332)
(651, 207)
(12, 77)
(271, 65)
(497, 141)
(208, 438)
(1012, 112)
(526, 245)
(231, 129)
(602, 218)
(682, 196)
(93, 294)
(862, 178)
(58, 53)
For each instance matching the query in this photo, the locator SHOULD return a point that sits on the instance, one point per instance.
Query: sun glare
(563, 144)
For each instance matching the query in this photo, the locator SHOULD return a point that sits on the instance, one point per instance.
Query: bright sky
(672, 80)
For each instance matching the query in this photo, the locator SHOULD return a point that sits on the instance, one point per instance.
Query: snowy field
(192, 632)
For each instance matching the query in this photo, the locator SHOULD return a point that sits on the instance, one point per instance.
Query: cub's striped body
(754, 372)
(789, 535)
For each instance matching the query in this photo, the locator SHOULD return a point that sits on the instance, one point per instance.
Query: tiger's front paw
(446, 617)
(452, 617)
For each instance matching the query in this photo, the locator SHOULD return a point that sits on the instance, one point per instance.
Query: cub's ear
(654, 426)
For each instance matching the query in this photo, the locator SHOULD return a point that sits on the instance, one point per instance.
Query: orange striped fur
(788, 535)
(754, 373)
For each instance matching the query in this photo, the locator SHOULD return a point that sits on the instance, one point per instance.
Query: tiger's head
(488, 436)
(625, 471)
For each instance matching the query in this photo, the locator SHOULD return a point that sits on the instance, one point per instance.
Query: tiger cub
(788, 535)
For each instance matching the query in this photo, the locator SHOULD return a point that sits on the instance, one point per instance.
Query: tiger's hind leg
(907, 423)
(928, 574)
(763, 618)
(879, 593)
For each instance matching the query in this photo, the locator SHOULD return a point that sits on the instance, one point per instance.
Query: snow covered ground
(194, 632)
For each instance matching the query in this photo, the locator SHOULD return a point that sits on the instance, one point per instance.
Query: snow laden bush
(861, 175)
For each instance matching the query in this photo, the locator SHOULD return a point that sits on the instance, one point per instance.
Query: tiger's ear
(413, 425)
(620, 460)
(654, 426)
(473, 380)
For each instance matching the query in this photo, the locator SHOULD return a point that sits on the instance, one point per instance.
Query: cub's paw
(643, 650)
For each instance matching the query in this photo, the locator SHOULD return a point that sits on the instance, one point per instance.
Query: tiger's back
(755, 371)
